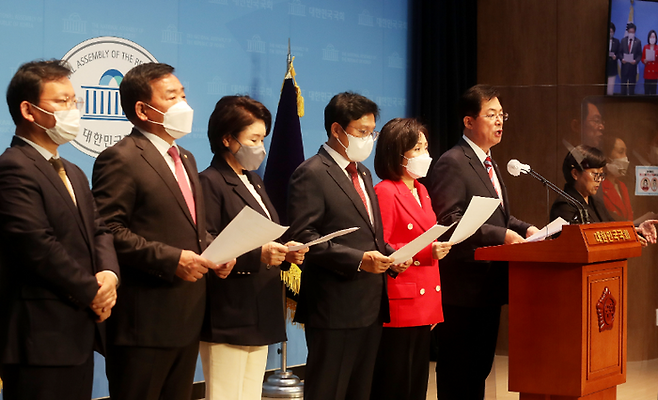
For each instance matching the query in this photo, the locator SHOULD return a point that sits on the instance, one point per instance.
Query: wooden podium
(567, 311)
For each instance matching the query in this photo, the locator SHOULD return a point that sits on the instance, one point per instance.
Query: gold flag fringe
(300, 99)
(292, 279)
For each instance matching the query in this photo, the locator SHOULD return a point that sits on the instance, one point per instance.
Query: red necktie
(488, 164)
(182, 181)
(630, 44)
(351, 168)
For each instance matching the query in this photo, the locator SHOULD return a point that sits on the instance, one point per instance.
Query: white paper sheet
(323, 239)
(628, 57)
(412, 248)
(650, 55)
(551, 229)
(247, 231)
(478, 211)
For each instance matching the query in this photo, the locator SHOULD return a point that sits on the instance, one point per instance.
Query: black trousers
(628, 83)
(403, 364)
(466, 348)
(341, 362)
(151, 373)
(30, 382)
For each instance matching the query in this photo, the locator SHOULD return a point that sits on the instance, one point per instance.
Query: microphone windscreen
(514, 167)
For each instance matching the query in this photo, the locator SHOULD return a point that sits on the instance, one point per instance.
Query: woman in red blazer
(650, 67)
(402, 367)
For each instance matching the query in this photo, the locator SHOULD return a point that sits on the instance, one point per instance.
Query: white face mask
(177, 120)
(631, 36)
(418, 166)
(67, 125)
(618, 167)
(652, 40)
(358, 149)
(250, 157)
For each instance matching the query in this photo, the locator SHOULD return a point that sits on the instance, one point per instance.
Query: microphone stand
(582, 211)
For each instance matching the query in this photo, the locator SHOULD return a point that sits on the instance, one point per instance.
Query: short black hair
(649, 35)
(591, 158)
(27, 83)
(612, 26)
(231, 116)
(347, 107)
(136, 85)
(398, 136)
(470, 103)
(631, 25)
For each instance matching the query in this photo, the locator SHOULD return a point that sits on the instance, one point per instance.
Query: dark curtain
(443, 57)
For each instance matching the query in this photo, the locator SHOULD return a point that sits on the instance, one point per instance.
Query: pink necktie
(182, 181)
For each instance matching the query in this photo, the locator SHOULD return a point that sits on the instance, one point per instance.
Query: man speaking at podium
(473, 292)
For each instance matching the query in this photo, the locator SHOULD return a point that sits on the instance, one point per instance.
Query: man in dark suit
(342, 299)
(630, 45)
(473, 292)
(614, 50)
(59, 271)
(147, 189)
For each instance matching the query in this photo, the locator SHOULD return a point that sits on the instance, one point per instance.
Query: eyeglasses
(68, 102)
(494, 116)
(364, 133)
(597, 121)
(598, 176)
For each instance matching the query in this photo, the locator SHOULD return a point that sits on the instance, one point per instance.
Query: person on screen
(58, 268)
(402, 367)
(650, 65)
(631, 54)
(612, 66)
(148, 191)
(613, 189)
(244, 312)
(473, 291)
(343, 300)
(584, 176)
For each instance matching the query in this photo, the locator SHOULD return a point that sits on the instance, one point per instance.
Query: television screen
(632, 64)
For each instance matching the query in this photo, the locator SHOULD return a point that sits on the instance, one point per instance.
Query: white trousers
(233, 372)
(611, 85)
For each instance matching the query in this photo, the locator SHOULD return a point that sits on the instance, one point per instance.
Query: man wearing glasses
(473, 292)
(343, 299)
(58, 269)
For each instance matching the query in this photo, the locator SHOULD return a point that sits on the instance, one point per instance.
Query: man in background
(631, 54)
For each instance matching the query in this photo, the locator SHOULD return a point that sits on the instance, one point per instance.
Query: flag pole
(283, 383)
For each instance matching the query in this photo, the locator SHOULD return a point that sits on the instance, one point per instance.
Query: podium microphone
(515, 168)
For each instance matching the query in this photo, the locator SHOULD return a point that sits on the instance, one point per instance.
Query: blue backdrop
(222, 47)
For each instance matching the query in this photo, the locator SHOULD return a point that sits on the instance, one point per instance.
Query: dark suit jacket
(246, 308)
(333, 294)
(142, 204)
(636, 50)
(611, 65)
(595, 208)
(51, 251)
(455, 178)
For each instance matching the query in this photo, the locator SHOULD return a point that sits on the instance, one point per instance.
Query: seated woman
(583, 181)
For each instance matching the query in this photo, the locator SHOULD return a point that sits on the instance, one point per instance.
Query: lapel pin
(185, 155)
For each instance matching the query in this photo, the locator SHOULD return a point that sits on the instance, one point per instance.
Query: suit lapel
(80, 185)
(233, 180)
(408, 201)
(260, 189)
(479, 169)
(345, 184)
(153, 157)
(49, 172)
(504, 204)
